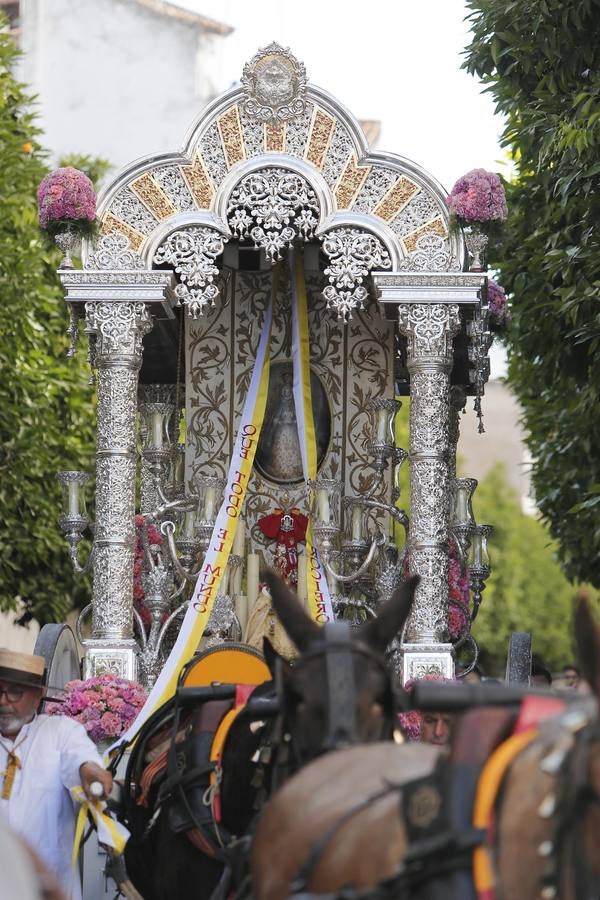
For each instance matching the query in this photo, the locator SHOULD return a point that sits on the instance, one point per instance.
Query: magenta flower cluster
(153, 536)
(498, 303)
(478, 197)
(458, 596)
(66, 195)
(105, 705)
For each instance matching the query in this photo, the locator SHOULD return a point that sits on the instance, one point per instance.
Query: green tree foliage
(527, 590)
(46, 418)
(540, 60)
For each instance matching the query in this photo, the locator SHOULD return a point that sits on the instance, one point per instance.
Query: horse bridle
(339, 647)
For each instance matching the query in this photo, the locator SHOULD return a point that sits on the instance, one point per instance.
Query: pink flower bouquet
(478, 198)
(105, 705)
(66, 197)
(499, 311)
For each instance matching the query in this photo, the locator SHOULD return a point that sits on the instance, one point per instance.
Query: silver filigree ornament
(192, 253)
(430, 255)
(273, 208)
(112, 251)
(353, 254)
(274, 84)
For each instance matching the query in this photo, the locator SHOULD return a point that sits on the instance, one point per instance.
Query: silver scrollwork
(112, 251)
(274, 84)
(192, 253)
(430, 328)
(353, 254)
(118, 327)
(273, 207)
(430, 255)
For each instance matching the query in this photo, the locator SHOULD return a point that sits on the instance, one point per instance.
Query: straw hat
(22, 668)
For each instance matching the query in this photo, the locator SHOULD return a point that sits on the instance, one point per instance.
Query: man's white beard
(11, 724)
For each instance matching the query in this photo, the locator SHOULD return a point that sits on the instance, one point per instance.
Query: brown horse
(337, 823)
(337, 693)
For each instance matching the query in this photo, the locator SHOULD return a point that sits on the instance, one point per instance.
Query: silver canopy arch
(271, 163)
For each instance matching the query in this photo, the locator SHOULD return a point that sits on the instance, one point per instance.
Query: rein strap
(341, 695)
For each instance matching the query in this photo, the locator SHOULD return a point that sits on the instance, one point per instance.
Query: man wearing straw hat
(41, 758)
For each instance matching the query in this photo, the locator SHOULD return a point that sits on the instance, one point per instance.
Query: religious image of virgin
(278, 452)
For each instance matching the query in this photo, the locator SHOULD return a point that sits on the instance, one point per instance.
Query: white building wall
(502, 442)
(115, 79)
(15, 637)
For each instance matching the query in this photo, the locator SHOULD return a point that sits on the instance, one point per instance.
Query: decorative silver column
(119, 329)
(117, 307)
(430, 331)
(428, 305)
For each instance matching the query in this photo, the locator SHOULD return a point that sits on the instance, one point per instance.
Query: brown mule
(338, 692)
(548, 812)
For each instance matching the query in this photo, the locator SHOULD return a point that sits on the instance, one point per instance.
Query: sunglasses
(12, 694)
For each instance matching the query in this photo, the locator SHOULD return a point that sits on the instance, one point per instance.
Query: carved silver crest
(192, 252)
(274, 84)
(273, 207)
(353, 254)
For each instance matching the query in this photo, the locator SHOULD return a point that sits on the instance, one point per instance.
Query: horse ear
(587, 635)
(300, 627)
(272, 657)
(379, 631)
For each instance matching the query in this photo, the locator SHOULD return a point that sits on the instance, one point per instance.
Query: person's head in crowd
(436, 728)
(21, 688)
(428, 727)
(571, 677)
(540, 674)
(475, 675)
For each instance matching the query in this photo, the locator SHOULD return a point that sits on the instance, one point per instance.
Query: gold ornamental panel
(352, 179)
(275, 137)
(110, 225)
(153, 197)
(230, 129)
(199, 182)
(397, 197)
(320, 137)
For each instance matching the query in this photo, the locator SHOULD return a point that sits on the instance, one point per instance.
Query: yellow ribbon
(319, 602)
(110, 833)
(219, 549)
(12, 764)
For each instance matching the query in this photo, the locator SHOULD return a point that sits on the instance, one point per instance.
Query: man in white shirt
(41, 758)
